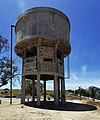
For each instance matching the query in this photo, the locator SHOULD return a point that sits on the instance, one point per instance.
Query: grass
(14, 91)
(69, 96)
(94, 103)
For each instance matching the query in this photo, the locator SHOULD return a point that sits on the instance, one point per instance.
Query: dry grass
(94, 103)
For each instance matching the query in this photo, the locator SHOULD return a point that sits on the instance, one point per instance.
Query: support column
(23, 90)
(38, 71)
(33, 90)
(44, 90)
(56, 77)
(56, 90)
(63, 90)
(23, 79)
(38, 90)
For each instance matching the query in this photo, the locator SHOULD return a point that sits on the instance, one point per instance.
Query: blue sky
(84, 16)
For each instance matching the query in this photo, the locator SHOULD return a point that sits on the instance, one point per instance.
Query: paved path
(8, 100)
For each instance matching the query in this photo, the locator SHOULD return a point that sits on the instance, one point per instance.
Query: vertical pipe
(11, 65)
(68, 67)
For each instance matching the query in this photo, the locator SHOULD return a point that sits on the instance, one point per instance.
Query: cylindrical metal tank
(46, 23)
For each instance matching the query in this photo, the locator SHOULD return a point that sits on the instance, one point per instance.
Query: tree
(87, 94)
(3, 44)
(5, 64)
(82, 92)
(98, 95)
(5, 92)
(92, 91)
(2, 93)
(28, 87)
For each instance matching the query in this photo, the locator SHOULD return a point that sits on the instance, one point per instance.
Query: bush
(50, 93)
(98, 96)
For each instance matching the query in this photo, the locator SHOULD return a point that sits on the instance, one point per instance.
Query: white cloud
(84, 68)
(74, 77)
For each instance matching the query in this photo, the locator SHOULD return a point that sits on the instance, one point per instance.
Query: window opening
(48, 59)
(31, 52)
(59, 56)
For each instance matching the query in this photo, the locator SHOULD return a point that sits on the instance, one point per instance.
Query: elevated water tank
(43, 22)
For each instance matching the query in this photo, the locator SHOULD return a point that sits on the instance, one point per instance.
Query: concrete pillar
(38, 69)
(59, 89)
(44, 90)
(23, 80)
(38, 89)
(23, 90)
(63, 90)
(56, 90)
(56, 101)
(33, 90)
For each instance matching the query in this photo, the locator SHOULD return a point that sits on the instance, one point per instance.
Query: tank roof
(43, 9)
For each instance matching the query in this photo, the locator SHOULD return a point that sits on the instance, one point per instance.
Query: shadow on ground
(68, 106)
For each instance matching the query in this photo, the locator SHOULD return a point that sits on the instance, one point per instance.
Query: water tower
(43, 41)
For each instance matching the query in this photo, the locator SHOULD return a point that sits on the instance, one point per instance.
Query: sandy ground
(17, 112)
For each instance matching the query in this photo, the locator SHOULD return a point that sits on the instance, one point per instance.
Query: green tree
(28, 87)
(5, 64)
(5, 92)
(3, 44)
(50, 93)
(97, 95)
(92, 93)
(2, 93)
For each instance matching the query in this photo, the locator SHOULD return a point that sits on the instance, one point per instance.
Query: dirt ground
(22, 112)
